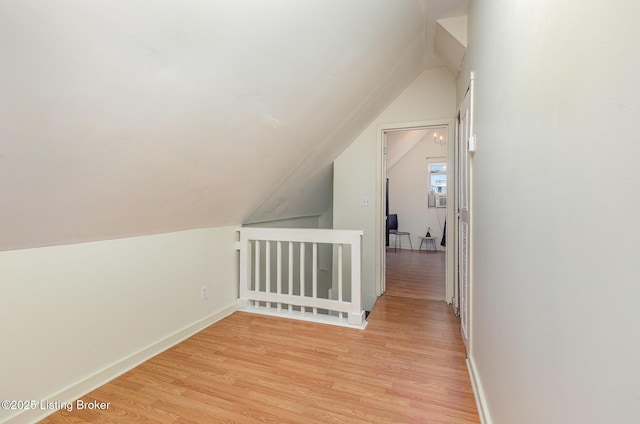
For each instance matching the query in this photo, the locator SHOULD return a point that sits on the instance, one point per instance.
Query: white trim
(381, 129)
(478, 392)
(92, 382)
(359, 322)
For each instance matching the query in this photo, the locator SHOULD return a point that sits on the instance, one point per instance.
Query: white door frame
(381, 175)
(465, 147)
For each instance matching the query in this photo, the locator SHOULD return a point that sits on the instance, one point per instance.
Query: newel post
(244, 248)
(356, 315)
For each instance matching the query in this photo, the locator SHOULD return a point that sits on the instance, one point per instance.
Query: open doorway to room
(415, 174)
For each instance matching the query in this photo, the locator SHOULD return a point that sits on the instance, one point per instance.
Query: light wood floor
(416, 274)
(408, 366)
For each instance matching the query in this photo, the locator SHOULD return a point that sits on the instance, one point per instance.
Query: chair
(392, 222)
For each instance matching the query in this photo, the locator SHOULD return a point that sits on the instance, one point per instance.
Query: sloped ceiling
(400, 143)
(450, 41)
(124, 117)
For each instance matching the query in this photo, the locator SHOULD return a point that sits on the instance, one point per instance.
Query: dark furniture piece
(392, 228)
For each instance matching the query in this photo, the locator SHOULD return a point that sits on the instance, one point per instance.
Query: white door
(463, 188)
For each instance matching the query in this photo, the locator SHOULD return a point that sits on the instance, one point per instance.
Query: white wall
(300, 222)
(408, 193)
(556, 323)
(430, 97)
(74, 316)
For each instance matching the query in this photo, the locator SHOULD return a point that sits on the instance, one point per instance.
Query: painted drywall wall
(408, 193)
(136, 118)
(300, 222)
(555, 317)
(457, 27)
(451, 41)
(430, 97)
(74, 316)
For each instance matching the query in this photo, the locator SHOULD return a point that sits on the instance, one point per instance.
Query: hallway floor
(416, 274)
(408, 366)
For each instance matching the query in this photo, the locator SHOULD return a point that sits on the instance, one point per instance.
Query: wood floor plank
(408, 366)
(416, 274)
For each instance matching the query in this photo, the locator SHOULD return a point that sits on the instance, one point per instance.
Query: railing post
(279, 270)
(257, 269)
(340, 266)
(302, 282)
(356, 315)
(314, 274)
(290, 292)
(245, 260)
(267, 267)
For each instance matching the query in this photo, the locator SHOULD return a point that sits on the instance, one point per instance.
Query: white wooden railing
(302, 273)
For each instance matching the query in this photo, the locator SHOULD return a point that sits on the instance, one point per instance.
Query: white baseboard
(478, 391)
(319, 319)
(92, 382)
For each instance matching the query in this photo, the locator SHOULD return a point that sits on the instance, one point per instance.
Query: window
(437, 185)
(438, 178)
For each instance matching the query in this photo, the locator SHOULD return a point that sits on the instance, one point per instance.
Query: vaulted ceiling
(125, 117)
(401, 143)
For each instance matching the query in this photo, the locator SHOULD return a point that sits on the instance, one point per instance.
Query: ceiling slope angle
(400, 143)
(451, 41)
(308, 189)
(129, 118)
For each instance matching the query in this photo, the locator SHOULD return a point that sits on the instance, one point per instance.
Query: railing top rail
(301, 235)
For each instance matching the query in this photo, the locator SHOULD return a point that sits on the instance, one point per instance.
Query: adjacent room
(416, 193)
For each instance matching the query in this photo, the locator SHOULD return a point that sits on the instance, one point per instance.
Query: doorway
(415, 159)
(465, 146)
